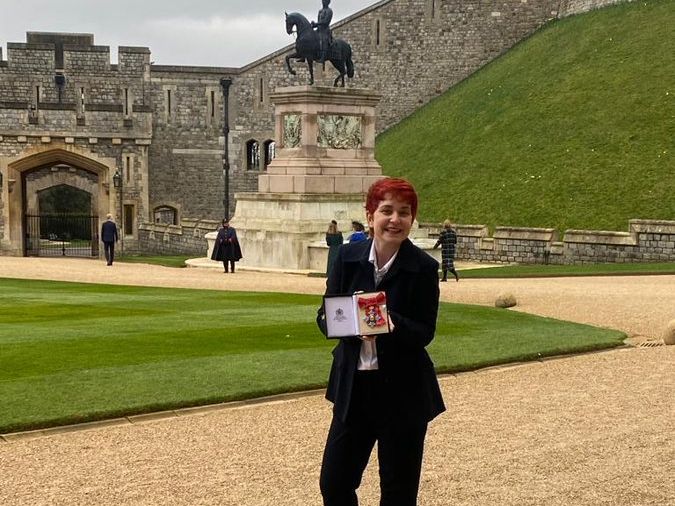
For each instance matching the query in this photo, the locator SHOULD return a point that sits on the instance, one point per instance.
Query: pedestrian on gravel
(383, 388)
(227, 249)
(109, 236)
(447, 239)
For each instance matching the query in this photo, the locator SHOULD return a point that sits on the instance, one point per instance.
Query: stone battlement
(72, 52)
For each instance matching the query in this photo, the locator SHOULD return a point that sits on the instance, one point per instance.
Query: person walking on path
(227, 249)
(447, 239)
(334, 240)
(109, 236)
(383, 388)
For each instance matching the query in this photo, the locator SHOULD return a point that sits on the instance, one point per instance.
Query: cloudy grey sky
(224, 33)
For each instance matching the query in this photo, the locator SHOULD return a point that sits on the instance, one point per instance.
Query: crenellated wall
(165, 123)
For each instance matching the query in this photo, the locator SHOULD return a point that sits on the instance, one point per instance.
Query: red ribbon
(380, 298)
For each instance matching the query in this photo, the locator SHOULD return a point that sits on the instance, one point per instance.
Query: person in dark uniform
(383, 389)
(109, 237)
(226, 248)
(447, 239)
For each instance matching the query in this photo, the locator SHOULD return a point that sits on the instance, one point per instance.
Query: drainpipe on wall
(225, 84)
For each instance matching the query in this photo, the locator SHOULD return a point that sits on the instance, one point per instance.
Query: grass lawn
(550, 271)
(72, 352)
(165, 260)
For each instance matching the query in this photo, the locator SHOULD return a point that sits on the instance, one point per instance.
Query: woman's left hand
(369, 339)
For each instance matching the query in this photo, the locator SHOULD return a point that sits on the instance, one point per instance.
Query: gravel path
(586, 430)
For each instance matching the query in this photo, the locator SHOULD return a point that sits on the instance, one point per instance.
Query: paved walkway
(586, 430)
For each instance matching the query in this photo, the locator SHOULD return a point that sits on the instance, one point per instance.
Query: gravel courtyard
(585, 430)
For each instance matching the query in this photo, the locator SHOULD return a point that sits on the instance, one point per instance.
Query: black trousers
(109, 249)
(400, 445)
(231, 265)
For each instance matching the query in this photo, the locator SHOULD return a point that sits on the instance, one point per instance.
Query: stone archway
(38, 170)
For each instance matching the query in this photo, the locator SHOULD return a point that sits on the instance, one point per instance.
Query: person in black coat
(226, 248)
(334, 240)
(447, 239)
(383, 388)
(109, 237)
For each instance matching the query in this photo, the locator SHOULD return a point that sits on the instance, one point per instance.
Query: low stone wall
(645, 241)
(570, 7)
(184, 239)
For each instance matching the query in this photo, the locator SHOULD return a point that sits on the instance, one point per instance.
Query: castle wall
(165, 123)
(186, 154)
(100, 109)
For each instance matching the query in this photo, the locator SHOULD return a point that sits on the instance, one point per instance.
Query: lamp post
(225, 84)
(118, 183)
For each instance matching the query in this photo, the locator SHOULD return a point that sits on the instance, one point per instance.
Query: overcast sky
(225, 33)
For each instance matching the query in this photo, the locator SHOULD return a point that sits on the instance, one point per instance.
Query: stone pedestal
(325, 162)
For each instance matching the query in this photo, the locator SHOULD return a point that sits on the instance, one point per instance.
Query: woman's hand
(369, 339)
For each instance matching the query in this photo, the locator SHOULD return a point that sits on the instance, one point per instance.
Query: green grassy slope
(572, 128)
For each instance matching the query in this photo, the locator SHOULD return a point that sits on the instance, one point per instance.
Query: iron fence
(50, 235)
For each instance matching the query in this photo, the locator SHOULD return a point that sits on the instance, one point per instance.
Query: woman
(359, 232)
(383, 388)
(334, 240)
(447, 239)
(227, 247)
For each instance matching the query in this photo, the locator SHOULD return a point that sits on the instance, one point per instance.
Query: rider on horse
(322, 27)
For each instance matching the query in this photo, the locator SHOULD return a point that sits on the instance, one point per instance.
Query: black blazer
(408, 375)
(109, 231)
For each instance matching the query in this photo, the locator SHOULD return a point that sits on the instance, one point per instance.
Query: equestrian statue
(315, 42)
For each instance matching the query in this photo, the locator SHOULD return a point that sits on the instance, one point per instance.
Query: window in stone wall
(270, 151)
(260, 93)
(128, 219)
(432, 9)
(378, 38)
(169, 102)
(125, 97)
(128, 165)
(252, 155)
(81, 100)
(166, 215)
(211, 106)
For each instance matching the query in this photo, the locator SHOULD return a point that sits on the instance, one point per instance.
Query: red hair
(397, 188)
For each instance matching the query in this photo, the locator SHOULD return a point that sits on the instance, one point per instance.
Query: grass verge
(72, 352)
(166, 261)
(550, 271)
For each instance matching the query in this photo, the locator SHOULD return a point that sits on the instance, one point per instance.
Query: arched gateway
(54, 200)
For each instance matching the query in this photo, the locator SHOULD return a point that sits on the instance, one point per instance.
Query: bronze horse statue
(307, 49)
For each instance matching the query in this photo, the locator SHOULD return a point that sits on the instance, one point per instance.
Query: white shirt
(368, 354)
